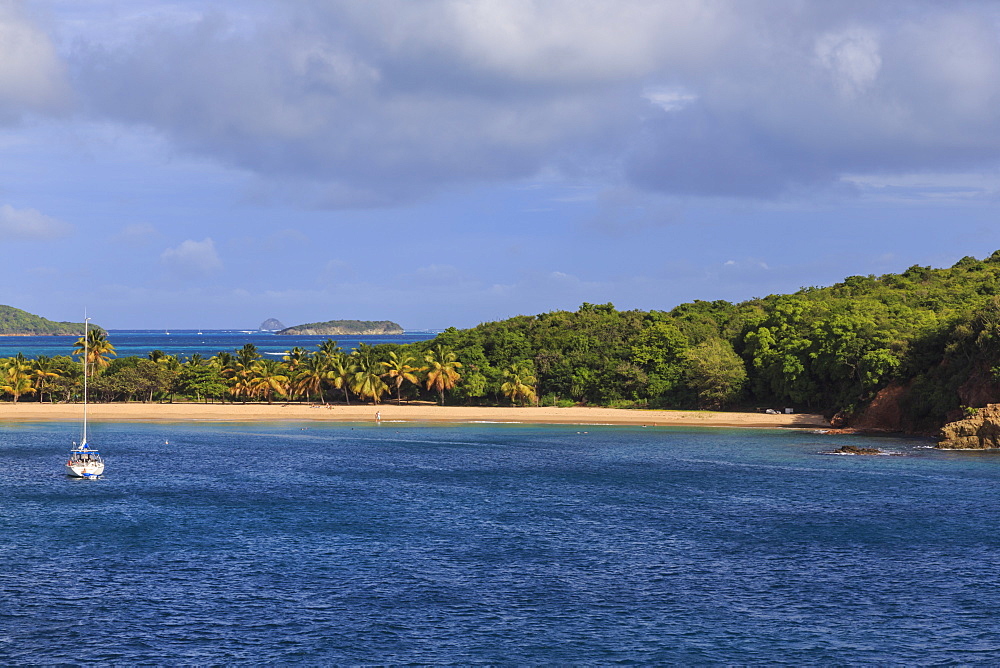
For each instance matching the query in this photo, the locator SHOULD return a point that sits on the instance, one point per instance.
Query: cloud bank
(388, 100)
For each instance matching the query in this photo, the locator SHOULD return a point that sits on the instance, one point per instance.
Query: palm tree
(242, 387)
(441, 374)
(243, 371)
(399, 370)
(268, 378)
(311, 376)
(226, 364)
(366, 381)
(98, 349)
(196, 359)
(520, 382)
(16, 377)
(43, 370)
(330, 350)
(295, 357)
(342, 371)
(246, 356)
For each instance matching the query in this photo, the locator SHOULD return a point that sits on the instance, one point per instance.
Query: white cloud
(192, 259)
(32, 76)
(669, 98)
(852, 57)
(30, 224)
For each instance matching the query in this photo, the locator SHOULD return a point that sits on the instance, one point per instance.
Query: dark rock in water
(271, 325)
(854, 450)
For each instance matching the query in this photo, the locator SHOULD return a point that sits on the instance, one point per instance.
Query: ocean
(320, 544)
(184, 343)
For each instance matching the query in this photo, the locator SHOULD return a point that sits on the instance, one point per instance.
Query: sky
(196, 164)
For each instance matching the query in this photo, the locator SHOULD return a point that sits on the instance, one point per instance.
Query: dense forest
(931, 336)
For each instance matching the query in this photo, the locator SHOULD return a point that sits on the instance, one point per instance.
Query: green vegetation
(345, 328)
(934, 334)
(15, 322)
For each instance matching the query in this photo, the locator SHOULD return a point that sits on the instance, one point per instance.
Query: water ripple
(506, 544)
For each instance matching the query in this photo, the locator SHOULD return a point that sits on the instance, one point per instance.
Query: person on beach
(378, 416)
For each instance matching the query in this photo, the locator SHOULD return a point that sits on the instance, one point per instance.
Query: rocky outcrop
(978, 431)
(271, 325)
(854, 450)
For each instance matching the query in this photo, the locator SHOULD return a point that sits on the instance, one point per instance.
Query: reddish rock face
(884, 412)
(979, 431)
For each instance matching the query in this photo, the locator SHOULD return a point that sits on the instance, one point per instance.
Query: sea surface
(184, 343)
(309, 544)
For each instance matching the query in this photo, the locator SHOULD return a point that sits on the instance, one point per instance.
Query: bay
(184, 343)
(505, 544)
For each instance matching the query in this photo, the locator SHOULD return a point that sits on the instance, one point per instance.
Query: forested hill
(15, 322)
(932, 336)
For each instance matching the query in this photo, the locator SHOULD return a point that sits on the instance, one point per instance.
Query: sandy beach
(417, 412)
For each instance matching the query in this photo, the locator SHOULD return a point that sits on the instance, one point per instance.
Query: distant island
(15, 322)
(344, 327)
(271, 325)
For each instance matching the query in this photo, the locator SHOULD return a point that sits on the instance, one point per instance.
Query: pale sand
(417, 412)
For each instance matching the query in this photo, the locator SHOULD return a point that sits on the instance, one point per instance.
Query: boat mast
(86, 332)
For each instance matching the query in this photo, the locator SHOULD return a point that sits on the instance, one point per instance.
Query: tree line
(935, 333)
(367, 373)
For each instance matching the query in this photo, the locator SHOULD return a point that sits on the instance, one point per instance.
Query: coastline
(416, 412)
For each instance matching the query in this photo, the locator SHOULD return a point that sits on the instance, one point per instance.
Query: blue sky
(448, 162)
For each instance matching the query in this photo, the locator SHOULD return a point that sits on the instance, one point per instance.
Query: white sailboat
(84, 461)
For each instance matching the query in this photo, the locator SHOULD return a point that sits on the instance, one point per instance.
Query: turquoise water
(511, 544)
(184, 343)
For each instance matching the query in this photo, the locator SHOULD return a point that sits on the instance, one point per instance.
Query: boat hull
(90, 470)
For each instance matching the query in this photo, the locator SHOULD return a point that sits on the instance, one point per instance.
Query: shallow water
(514, 544)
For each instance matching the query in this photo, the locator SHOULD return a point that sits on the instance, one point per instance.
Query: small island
(344, 327)
(15, 322)
(271, 325)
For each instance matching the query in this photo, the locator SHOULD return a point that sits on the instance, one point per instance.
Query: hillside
(344, 327)
(924, 343)
(15, 322)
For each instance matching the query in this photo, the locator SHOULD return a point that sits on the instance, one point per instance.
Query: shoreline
(416, 412)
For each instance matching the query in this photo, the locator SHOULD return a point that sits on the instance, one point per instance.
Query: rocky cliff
(978, 431)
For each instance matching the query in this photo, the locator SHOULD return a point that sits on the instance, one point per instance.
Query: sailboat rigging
(84, 461)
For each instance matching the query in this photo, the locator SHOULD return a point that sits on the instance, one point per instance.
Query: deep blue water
(503, 544)
(184, 343)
